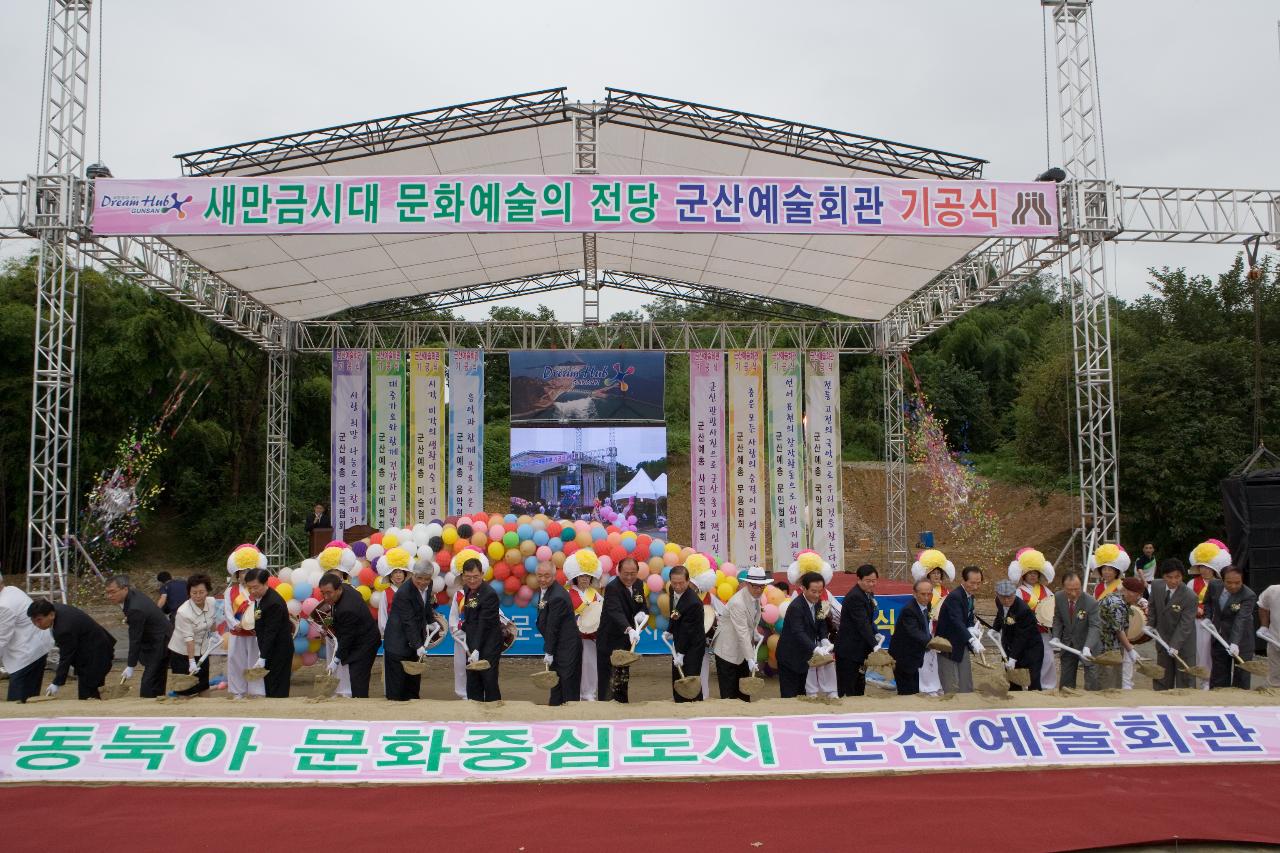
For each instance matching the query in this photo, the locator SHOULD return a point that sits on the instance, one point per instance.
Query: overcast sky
(1189, 89)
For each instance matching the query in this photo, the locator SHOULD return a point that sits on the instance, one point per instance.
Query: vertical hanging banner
(466, 431)
(426, 436)
(348, 438)
(786, 457)
(746, 463)
(706, 450)
(386, 418)
(822, 438)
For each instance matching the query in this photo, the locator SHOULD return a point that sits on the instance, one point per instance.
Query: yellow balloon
(672, 547)
(380, 583)
(364, 591)
(527, 548)
(724, 592)
(285, 590)
(653, 621)
(314, 645)
(496, 550)
(449, 535)
(664, 604)
(488, 573)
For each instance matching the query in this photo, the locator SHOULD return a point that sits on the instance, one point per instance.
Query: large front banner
(822, 442)
(426, 436)
(348, 439)
(267, 750)
(706, 450)
(556, 387)
(387, 460)
(466, 431)
(785, 428)
(573, 203)
(746, 458)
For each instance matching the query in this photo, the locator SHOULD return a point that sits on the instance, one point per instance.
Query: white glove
(642, 618)
(192, 666)
(1264, 633)
(260, 663)
(975, 631)
(548, 660)
(459, 636)
(1086, 654)
(1132, 655)
(332, 667)
(1233, 650)
(633, 635)
(474, 657)
(1010, 664)
(127, 674)
(976, 645)
(753, 667)
(421, 652)
(51, 690)
(677, 659)
(666, 637)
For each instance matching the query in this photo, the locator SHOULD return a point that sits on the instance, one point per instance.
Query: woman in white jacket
(193, 633)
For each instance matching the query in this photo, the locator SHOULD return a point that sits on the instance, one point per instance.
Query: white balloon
(286, 575)
(375, 600)
(295, 606)
(374, 552)
(437, 585)
(434, 529)
(310, 565)
(348, 559)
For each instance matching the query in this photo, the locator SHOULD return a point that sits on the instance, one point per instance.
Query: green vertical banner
(387, 430)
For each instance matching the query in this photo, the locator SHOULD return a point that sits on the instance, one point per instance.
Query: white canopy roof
(660, 485)
(640, 487)
(308, 276)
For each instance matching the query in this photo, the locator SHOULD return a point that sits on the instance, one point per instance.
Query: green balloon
(510, 539)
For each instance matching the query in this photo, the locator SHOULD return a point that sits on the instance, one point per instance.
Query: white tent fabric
(640, 487)
(660, 486)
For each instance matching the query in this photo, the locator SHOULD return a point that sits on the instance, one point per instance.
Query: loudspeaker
(1251, 505)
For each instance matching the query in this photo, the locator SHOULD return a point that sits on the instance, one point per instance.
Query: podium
(320, 536)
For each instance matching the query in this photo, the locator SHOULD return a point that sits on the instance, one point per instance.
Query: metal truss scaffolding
(53, 207)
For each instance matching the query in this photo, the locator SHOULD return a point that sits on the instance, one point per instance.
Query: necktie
(1071, 610)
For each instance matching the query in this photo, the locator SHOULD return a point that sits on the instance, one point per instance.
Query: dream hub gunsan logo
(147, 205)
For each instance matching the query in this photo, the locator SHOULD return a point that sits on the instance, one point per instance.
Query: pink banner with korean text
(823, 459)
(386, 427)
(349, 439)
(466, 431)
(263, 750)
(746, 458)
(572, 203)
(707, 496)
(785, 427)
(427, 448)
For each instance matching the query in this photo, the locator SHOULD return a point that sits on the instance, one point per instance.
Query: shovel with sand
(119, 690)
(1020, 677)
(1193, 671)
(185, 681)
(688, 686)
(1253, 667)
(419, 666)
(752, 684)
(623, 658)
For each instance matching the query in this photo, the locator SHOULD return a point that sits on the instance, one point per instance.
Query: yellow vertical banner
(427, 445)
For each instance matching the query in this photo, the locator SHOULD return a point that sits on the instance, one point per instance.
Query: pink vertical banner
(466, 431)
(348, 439)
(787, 495)
(822, 440)
(746, 457)
(707, 451)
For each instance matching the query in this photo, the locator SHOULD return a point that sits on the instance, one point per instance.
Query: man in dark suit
(275, 629)
(910, 636)
(802, 631)
(956, 621)
(148, 636)
(688, 635)
(857, 635)
(561, 642)
(1077, 623)
(1019, 632)
(319, 517)
(482, 627)
(355, 630)
(81, 642)
(1229, 607)
(624, 599)
(412, 615)
(1173, 616)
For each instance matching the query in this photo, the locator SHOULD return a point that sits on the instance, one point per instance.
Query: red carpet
(943, 811)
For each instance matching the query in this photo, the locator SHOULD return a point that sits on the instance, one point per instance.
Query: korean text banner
(573, 203)
(746, 457)
(586, 386)
(708, 496)
(267, 750)
(387, 428)
(822, 441)
(426, 434)
(349, 439)
(787, 494)
(466, 430)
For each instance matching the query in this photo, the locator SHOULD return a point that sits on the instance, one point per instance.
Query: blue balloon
(777, 626)
(510, 518)
(657, 547)
(300, 646)
(556, 544)
(302, 590)
(525, 531)
(303, 628)
(666, 574)
(598, 533)
(498, 586)
(629, 544)
(540, 537)
(661, 624)
(531, 564)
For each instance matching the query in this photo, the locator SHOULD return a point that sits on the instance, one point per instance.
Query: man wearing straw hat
(1076, 624)
(688, 636)
(1019, 633)
(735, 641)
(412, 614)
(1229, 608)
(561, 643)
(1173, 617)
(275, 633)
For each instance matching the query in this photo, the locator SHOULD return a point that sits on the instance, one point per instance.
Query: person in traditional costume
(933, 565)
(582, 570)
(1033, 574)
(1207, 560)
(1112, 562)
(238, 610)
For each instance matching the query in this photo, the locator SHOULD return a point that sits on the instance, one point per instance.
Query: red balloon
(442, 598)
(375, 539)
(367, 575)
(569, 548)
(512, 585)
(601, 547)
(519, 571)
(453, 519)
(612, 528)
(560, 578)
(643, 541)
(553, 528)
(617, 553)
(273, 581)
(442, 560)
(510, 527)
(501, 571)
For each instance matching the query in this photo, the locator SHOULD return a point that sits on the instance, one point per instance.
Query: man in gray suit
(1229, 606)
(1076, 623)
(1173, 616)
